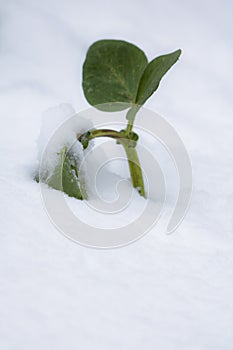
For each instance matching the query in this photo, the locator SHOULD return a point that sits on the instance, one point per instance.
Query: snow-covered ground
(162, 292)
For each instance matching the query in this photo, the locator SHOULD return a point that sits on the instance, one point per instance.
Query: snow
(54, 120)
(164, 291)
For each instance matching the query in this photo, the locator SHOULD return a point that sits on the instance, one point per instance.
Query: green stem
(105, 133)
(135, 168)
(130, 116)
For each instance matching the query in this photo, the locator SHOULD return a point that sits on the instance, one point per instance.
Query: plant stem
(135, 168)
(130, 116)
(105, 133)
(133, 160)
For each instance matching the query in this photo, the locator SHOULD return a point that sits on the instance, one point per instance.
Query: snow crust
(162, 292)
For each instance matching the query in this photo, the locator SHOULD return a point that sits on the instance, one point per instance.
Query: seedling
(115, 74)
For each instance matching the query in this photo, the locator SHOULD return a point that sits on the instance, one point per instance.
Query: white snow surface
(162, 292)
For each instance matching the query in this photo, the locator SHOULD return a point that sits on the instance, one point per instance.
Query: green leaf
(153, 73)
(112, 72)
(65, 176)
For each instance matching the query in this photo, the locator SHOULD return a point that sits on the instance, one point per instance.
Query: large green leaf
(65, 176)
(153, 73)
(112, 72)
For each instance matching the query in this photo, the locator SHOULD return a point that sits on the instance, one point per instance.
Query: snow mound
(60, 127)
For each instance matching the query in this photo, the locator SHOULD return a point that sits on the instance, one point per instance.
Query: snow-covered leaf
(65, 176)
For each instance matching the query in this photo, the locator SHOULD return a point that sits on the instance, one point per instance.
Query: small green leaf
(153, 73)
(112, 72)
(65, 176)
